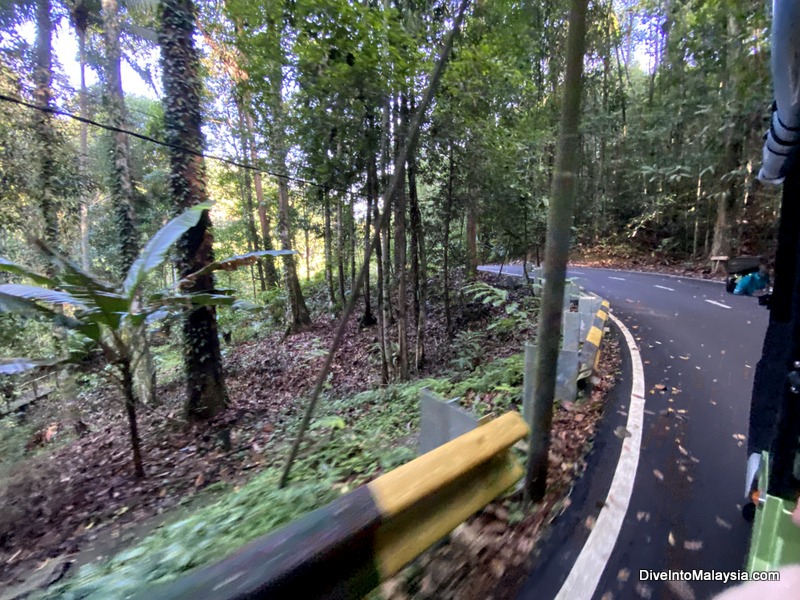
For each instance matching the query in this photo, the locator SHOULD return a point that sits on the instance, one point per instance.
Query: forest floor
(74, 500)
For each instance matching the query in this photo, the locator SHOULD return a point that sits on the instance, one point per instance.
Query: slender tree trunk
(372, 174)
(727, 202)
(400, 254)
(206, 392)
(418, 260)
(80, 18)
(121, 181)
(130, 411)
(247, 195)
(448, 214)
(270, 272)
(368, 319)
(328, 234)
(300, 316)
(43, 123)
(559, 221)
(472, 240)
(340, 248)
(351, 219)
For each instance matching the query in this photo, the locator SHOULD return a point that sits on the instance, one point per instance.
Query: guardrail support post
(571, 325)
(527, 382)
(567, 376)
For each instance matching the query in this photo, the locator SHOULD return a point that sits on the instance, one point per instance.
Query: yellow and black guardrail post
(345, 549)
(590, 351)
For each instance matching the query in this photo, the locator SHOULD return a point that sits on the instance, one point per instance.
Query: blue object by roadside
(752, 283)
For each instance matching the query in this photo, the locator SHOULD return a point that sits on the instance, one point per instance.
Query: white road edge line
(582, 580)
(617, 278)
(715, 303)
(662, 287)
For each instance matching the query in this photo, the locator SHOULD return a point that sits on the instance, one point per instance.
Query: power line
(147, 138)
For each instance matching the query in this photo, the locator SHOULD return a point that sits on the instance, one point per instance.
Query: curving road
(699, 347)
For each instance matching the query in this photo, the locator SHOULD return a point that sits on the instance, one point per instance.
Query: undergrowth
(353, 440)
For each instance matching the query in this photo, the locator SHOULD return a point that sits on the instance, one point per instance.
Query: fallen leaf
(693, 544)
(660, 386)
(683, 450)
(644, 590)
(739, 436)
(671, 539)
(658, 474)
(681, 589)
(642, 515)
(201, 479)
(623, 575)
(622, 433)
(590, 522)
(684, 357)
(723, 523)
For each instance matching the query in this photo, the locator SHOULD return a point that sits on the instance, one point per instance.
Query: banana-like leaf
(210, 300)
(14, 366)
(10, 267)
(29, 308)
(72, 275)
(155, 252)
(246, 305)
(40, 294)
(233, 263)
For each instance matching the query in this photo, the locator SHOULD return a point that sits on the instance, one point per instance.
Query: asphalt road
(699, 346)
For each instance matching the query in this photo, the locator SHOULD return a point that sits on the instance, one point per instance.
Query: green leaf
(157, 248)
(73, 275)
(233, 263)
(32, 292)
(10, 267)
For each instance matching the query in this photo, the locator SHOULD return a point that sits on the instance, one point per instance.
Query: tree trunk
(559, 221)
(249, 218)
(43, 123)
(328, 235)
(448, 214)
(368, 319)
(270, 272)
(130, 411)
(121, 182)
(472, 240)
(418, 260)
(372, 173)
(206, 392)
(80, 19)
(727, 202)
(340, 248)
(400, 253)
(300, 315)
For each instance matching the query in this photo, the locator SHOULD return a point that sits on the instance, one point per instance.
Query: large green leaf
(155, 252)
(10, 267)
(72, 275)
(39, 294)
(233, 263)
(29, 308)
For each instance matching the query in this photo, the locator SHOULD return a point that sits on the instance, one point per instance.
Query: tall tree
(121, 181)
(559, 222)
(43, 122)
(80, 20)
(206, 392)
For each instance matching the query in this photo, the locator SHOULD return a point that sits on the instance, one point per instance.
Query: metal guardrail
(345, 549)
